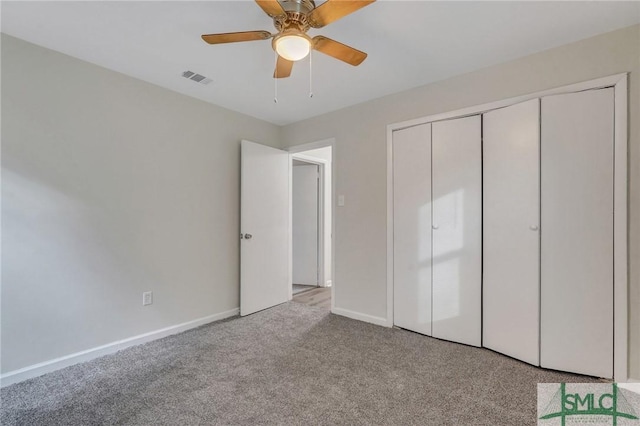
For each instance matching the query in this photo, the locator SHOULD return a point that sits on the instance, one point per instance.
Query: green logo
(610, 402)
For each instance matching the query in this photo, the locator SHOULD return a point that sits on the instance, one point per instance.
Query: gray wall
(360, 134)
(111, 187)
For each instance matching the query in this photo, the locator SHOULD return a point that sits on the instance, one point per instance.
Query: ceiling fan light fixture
(293, 47)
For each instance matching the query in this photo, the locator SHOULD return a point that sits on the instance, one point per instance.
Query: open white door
(264, 227)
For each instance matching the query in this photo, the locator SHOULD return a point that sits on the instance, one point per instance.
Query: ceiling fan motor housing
(295, 16)
(299, 6)
(292, 20)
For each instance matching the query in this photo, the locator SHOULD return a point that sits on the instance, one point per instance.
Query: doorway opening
(311, 222)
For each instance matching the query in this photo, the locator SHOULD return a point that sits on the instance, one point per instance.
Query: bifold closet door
(457, 229)
(412, 228)
(577, 232)
(511, 238)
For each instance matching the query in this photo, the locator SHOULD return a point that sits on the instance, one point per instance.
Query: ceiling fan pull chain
(275, 80)
(310, 74)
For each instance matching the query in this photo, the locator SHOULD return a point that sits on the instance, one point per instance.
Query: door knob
(435, 226)
(534, 227)
(248, 236)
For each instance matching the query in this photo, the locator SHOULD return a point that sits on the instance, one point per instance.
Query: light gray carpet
(292, 364)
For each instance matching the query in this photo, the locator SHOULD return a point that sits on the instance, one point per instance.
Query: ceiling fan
(292, 19)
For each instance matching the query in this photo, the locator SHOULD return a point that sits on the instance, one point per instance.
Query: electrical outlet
(147, 298)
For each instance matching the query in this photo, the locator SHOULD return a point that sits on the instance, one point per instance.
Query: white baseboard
(39, 369)
(361, 317)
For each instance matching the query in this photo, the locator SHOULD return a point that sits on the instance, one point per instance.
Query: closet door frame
(619, 82)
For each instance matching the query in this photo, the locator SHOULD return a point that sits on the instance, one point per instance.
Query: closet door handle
(435, 226)
(534, 227)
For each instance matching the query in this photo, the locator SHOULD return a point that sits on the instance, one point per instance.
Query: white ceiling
(410, 43)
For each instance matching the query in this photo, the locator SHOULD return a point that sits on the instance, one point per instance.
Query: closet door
(456, 192)
(577, 233)
(412, 228)
(511, 239)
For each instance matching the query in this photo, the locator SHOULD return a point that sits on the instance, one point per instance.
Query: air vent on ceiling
(196, 77)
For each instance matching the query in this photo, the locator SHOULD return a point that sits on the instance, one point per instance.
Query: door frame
(619, 82)
(297, 152)
(320, 276)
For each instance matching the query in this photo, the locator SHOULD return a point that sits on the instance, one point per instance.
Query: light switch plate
(340, 200)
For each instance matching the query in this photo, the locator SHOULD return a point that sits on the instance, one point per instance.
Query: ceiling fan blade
(283, 68)
(338, 50)
(332, 10)
(235, 37)
(271, 7)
